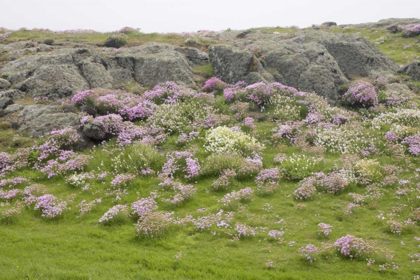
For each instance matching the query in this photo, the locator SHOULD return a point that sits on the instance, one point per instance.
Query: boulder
(13, 108)
(244, 33)
(39, 120)
(232, 64)
(329, 24)
(94, 131)
(354, 55)
(64, 72)
(5, 101)
(12, 93)
(308, 67)
(412, 70)
(195, 56)
(149, 65)
(54, 81)
(4, 84)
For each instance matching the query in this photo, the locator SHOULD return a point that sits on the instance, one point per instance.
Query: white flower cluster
(342, 139)
(408, 117)
(224, 140)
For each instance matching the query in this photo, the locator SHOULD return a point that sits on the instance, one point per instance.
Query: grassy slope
(79, 248)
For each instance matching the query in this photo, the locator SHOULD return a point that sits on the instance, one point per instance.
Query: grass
(80, 248)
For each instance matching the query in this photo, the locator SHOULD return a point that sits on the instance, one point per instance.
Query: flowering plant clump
(225, 180)
(325, 229)
(297, 167)
(86, 207)
(181, 162)
(128, 30)
(153, 224)
(406, 117)
(309, 252)
(268, 180)
(143, 206)
(334, 182)
(116, 213)
(343, 139)
(276, 235)
(353, 247)
(243, 231)
(169, 92)
(224, 140)
(413, 143)
(411, 30)
(122, 180)
(50, 206)
(236, 91)
(367, 171)
(243, 195)
(306, 189)
(185, 192)
(288, 133)
(214, 84)
(79, 180)
(362, 94)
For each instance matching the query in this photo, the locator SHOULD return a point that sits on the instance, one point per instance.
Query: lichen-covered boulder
(38, 120)
(412, 70)
(4, 84)
(149, 65)
(232, 65)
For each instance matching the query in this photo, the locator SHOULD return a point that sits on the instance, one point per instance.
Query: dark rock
(394, 29)
(412, 70)
(90, 110)
(94, 131)
(5, 101)
(195, 56)
(329, 24)
(243, 34)
(49, 42)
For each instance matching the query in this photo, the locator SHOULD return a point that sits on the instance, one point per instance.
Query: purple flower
(361, 94)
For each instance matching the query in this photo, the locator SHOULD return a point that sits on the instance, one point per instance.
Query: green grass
(80, 248)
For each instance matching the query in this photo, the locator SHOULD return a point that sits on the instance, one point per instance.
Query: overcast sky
(193, 15)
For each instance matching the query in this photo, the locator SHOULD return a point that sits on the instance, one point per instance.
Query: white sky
(194, 15)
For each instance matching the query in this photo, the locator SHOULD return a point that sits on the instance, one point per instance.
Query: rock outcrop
(412, 70)
(233, 65)
(313, 61)
(38, 120)
(63, 72)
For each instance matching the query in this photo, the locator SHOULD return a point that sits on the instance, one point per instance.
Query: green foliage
(116, 41)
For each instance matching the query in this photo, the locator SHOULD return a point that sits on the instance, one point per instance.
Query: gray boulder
(39, 120)
(354, 55)
(54, 81)
(308, 67)
(94, 131)
(12, 93)
(195, 56)
(5, 101)
(13, 108)
(4, 84)
(244, 33)
(329, 24)
(232, 65)
(412, 70)
(149, 65)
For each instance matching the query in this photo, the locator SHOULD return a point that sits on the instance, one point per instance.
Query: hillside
(267, 153)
